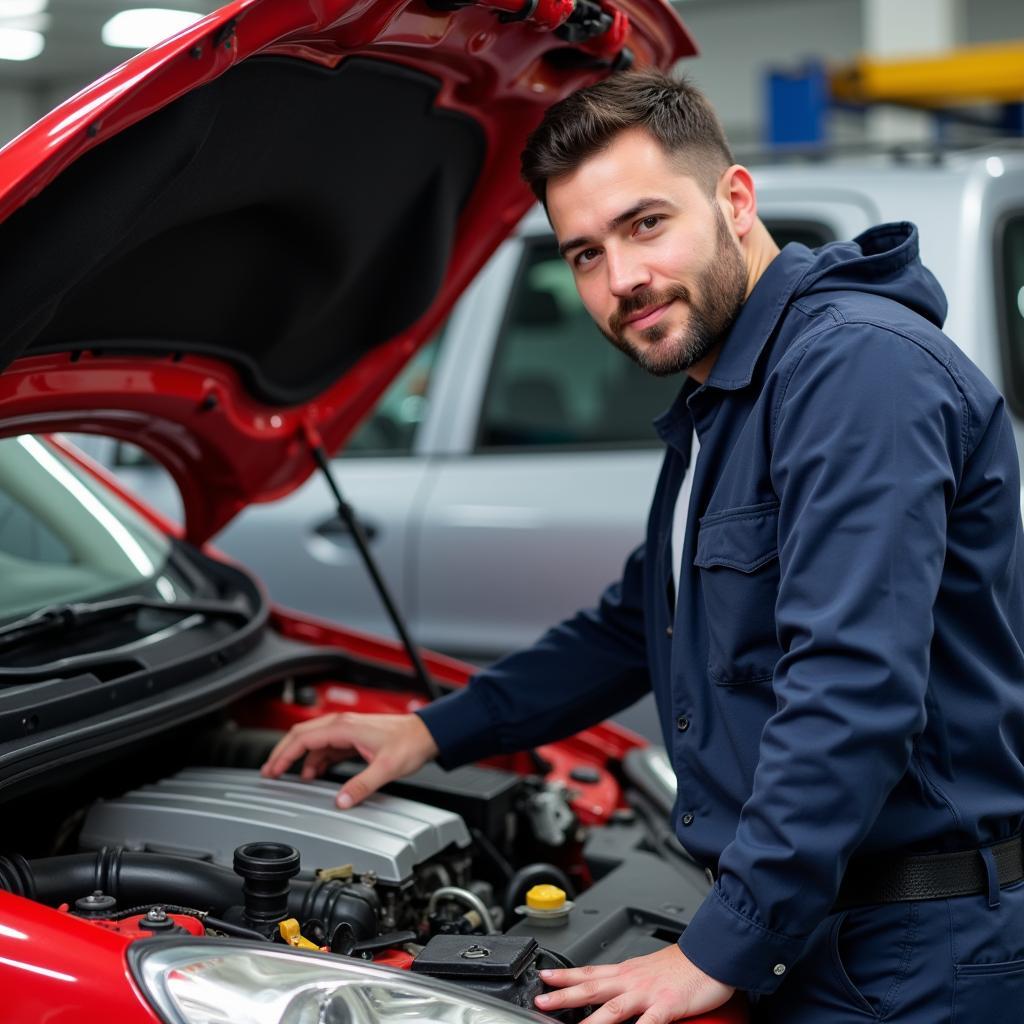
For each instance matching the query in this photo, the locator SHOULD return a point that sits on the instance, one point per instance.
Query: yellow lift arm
(986, 73)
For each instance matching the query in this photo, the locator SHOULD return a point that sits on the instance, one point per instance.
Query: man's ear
(738, 199)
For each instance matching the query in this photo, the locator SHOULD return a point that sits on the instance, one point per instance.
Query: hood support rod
(429, 685)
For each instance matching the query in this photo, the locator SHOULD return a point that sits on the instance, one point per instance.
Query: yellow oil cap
(545, 897)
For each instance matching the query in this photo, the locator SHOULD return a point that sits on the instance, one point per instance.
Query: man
(834, 641)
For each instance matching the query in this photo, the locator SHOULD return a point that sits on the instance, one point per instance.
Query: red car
(223, 251)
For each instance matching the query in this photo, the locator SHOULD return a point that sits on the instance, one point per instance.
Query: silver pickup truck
(507, 473)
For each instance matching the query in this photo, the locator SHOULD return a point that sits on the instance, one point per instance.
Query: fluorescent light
(145, 26)
(21, 8)
(29, 23)
(20, 44)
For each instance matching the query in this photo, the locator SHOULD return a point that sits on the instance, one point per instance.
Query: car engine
(477, 876)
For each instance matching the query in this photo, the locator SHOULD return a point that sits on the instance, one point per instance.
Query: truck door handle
(337, 532)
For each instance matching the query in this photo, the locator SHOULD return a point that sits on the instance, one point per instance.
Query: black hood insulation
(286, 218)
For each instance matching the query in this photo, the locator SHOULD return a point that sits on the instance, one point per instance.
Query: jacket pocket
(738, 558)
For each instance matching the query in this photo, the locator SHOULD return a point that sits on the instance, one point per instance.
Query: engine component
(467, 898)
(290, 932)
(546, 905)
(97, 904)
(156, 921)
(266, 869)
(207, 812)
(143, 878)
(637, 908)
(484, 798)
(551, 814)
(527, 877)
(500, 966)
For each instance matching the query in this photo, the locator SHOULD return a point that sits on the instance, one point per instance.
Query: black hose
(385, 941)
(527, 877)
(239, 931)
(148, 878)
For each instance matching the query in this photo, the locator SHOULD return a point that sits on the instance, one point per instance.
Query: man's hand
(393, 746)
(658, 988)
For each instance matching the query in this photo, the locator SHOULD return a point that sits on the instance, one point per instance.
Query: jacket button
(668, 631)
(779, 970)
(687, 818)
(682, 723)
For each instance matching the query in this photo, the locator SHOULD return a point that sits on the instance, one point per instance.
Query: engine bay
(479, 876)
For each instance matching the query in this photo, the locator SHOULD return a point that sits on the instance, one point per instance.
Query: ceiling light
(21, 8)
(20, 44)
(30, 22)
(145, 26)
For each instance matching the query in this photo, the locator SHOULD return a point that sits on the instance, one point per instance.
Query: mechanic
(835, 638)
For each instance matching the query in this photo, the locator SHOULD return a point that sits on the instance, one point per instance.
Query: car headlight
(222, 982)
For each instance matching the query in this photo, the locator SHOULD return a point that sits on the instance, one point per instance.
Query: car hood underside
(225, 249)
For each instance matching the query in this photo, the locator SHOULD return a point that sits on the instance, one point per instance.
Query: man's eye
(649, 223)
(586, 256)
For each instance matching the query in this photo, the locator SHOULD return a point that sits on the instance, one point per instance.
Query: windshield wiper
(60, 617)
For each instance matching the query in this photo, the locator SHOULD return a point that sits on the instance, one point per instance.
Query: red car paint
(59, 969)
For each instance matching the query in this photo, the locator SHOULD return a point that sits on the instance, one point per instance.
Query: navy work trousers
(955, 961)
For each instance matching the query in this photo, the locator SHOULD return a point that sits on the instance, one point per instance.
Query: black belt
(928, 876)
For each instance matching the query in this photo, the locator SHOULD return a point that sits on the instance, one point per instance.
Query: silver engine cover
(207, 812)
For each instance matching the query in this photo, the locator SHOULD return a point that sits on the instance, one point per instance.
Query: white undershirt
(679, 515)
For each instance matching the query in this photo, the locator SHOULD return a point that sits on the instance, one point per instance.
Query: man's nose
(626, 273)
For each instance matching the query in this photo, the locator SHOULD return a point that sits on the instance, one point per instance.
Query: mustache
(646, 299)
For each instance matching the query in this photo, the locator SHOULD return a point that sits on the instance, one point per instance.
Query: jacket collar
(744, 343)
(734, 367)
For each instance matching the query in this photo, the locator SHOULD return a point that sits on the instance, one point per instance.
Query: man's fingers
(560, 978)
(316, 761)
(368, 781)
(597, 990)
(622, 1007)
(315, 735)
(655, 1015)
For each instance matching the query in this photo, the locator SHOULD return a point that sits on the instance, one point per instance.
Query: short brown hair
(677, 114)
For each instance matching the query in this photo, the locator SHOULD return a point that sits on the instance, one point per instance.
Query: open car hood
(225, 249)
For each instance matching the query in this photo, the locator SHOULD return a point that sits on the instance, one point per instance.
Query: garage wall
(754, 34)
(989, 20)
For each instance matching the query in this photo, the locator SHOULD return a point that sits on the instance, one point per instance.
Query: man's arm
(868, 447)
(577, 674)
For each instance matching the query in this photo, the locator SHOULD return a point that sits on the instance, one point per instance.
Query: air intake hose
(146, 878)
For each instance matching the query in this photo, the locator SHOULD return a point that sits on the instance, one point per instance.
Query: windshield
(64, 537)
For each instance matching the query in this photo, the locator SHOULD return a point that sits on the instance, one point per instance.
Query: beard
(713, 306)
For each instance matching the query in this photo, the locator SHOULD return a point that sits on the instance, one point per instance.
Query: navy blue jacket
(842, 671)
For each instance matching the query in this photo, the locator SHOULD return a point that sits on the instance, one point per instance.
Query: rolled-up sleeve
(870, 433)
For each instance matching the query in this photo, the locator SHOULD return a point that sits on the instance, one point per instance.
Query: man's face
(654, 260)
